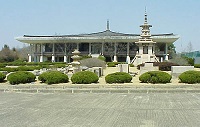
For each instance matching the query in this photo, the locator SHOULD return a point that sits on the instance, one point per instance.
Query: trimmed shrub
(53, 77)
(84, 77)
(8, 69)
(2, 77)
(131, 65)
(59, 65)
(197, 65)
(85, 57)
(102, 58)
(166, 66)
(155, 77)
(2, 65)
(111, 65)
(21, 77)
(190, 77)
(28, 68)
(118, 77)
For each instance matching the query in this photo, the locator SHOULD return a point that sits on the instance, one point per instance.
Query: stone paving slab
(100, 110)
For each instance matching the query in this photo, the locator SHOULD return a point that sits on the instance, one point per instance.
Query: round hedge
(155, 77)
(21, 77)
(190, 77)
(84, 77)
(118, 77)
(2, 77)
(53, 77)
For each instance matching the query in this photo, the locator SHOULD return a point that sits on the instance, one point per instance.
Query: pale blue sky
(50, 17)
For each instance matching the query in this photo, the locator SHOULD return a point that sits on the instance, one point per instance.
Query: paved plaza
(99, 110)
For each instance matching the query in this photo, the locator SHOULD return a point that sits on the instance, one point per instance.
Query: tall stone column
(65, 54)
(150, 49)
(34, 52)
(53, 53)
(166, 52)
(41, 53)
(115, 53)
(102, 48)
(77, 46)
(128, 60)
(90, 47)
(30, 54)
(140, 49)
(29, 58)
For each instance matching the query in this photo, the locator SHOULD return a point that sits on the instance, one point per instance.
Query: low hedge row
(113, 64)
(2, 77)
(31, 68)
(190, 77)
(118, 77)
(84, 77)
(53, 77)
(155, 77)
(21, 77)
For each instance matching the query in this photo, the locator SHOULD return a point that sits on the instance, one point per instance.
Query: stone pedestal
(148, 67)
(123, 68)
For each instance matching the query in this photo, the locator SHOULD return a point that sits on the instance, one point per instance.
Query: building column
(102, 48)
(29, 58)
(34, 52)
(128, 60)
(53, 53)
(140, 49)
(77, 46)
(41, 53)
(31, 53)
(90, 47)
(166, 52)
(161, 59)
(65, 54)
(150, 49)
(115, 53)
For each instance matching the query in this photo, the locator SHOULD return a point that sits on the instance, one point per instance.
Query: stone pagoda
(146, 46)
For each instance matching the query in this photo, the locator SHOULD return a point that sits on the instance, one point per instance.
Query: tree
(189, 47)
(7, 55)
(171, 50)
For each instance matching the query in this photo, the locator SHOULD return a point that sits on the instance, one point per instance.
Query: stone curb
(101, 91)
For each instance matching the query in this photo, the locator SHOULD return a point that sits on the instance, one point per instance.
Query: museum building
(114, 46)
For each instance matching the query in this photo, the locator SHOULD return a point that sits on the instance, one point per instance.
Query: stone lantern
(75, 64)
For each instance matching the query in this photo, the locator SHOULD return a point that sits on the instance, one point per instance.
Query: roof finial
(108, 24)
(145, 19)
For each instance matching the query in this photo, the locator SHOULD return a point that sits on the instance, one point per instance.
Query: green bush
(118, 77)
(85, 57)
(21, 77)
(111, 65)
(189, 60)
(102, 58)
(131, 65)
(155, 77)
(197, 65)
(2, 65)
(53, 77)
(59, 65)
(84, 77)
(28, 68)
(2, 77)
(190, 77)
(8, 69)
